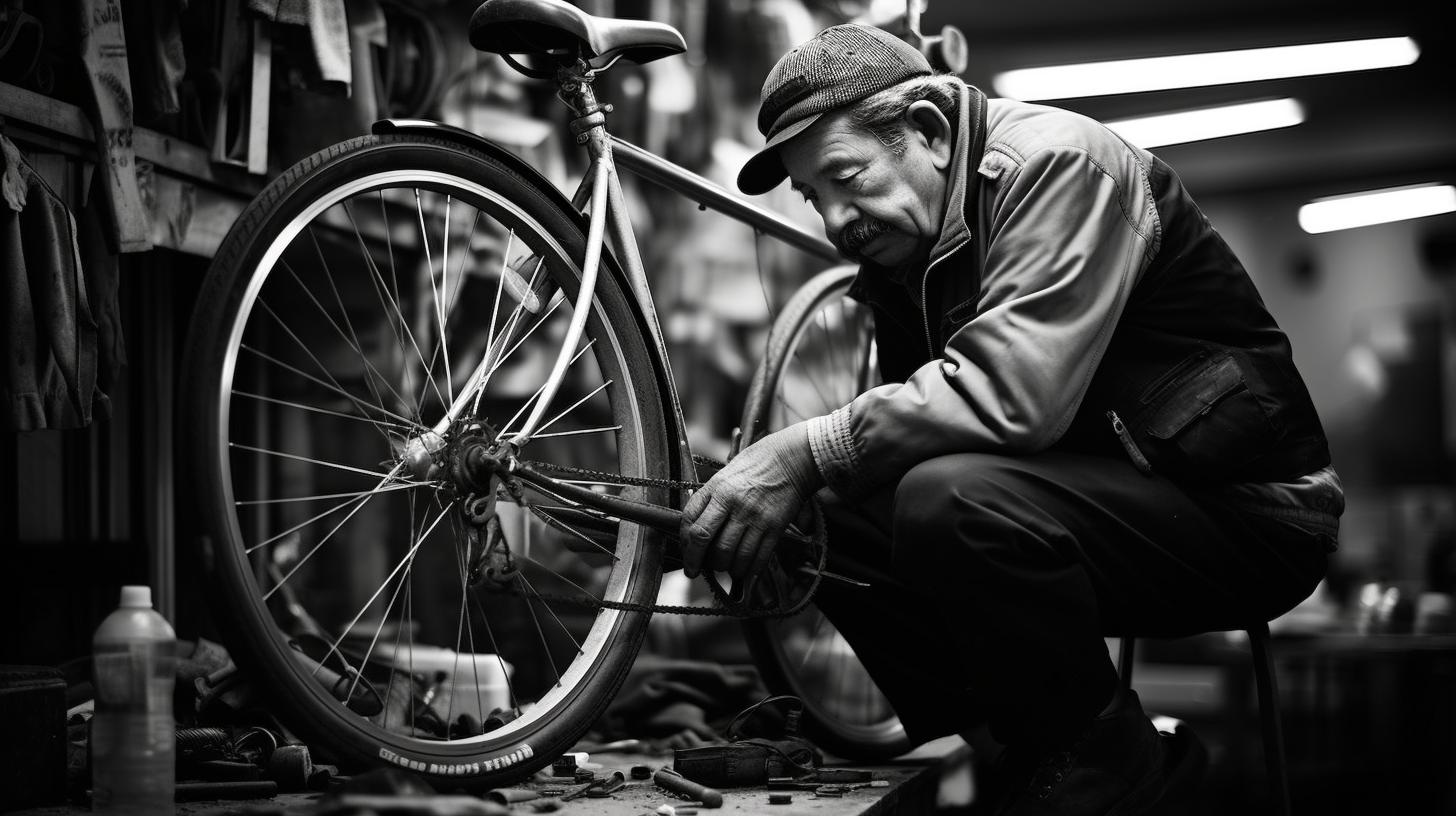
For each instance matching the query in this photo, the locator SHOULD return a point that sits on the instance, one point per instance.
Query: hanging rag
(103, 53)
(328, 27)
(52, 367)
(157, 60)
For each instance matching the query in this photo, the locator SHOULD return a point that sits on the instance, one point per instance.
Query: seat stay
(559, 30)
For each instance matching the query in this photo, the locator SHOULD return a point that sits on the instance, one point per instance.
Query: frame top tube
(673, 177)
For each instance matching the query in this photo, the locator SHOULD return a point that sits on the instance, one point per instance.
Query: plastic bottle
(133, 732)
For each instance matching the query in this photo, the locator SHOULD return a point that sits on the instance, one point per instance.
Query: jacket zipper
(925, 293)
(925, 312)
(1125, 437)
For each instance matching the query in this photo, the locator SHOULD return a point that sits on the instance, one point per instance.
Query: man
(1091, 426)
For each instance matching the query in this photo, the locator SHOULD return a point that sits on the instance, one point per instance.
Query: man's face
(876, 205)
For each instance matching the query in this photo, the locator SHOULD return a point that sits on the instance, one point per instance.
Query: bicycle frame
(376, 285)
(602, 182)
(600, 195)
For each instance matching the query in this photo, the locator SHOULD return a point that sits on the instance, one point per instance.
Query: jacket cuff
(836, 456)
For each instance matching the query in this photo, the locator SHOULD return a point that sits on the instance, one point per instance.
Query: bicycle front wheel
(379, 309)
(820, 356)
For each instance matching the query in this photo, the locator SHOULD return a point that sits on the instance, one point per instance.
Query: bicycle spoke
(529, 401)
(390, 299)
(321, 542)
(541, 632)
(810, 374)
(288, 533)
(386, 426)
(435, 300)
(403, 562)
(495, 648)
(510, 326)
(577, 404)
(309, 522)
(579, 432)
(346, 332)
(322, 496)
(461, 628)
(832, 343)
(313, 461)
(331, 387)
(480, 378)
(331, 384)
(490, 338)
(369, 652)
(558, 524)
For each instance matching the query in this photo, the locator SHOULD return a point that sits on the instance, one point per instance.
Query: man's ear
(928, 123)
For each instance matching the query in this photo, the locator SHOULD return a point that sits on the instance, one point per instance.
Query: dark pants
(995, 579)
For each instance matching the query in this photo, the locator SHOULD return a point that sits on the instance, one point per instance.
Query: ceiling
(1362, 130)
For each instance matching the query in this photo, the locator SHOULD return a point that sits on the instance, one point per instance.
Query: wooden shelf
(192, 200)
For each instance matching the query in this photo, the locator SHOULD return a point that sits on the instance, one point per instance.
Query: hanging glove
(732, 524)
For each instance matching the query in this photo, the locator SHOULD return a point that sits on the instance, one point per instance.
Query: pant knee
(984, 505)
(946, 497)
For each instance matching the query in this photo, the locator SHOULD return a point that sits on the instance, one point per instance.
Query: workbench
(909, 785)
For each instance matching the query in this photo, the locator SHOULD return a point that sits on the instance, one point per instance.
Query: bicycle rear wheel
(379, 309)
(820, 355)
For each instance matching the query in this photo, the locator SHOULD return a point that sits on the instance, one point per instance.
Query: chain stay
(730, 608)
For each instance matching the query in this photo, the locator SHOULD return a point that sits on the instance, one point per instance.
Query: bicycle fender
(466, 138)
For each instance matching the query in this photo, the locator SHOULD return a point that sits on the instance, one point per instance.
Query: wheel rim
(828, 361)
(279, 398)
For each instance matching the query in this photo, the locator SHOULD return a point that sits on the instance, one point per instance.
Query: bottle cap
(139, 597)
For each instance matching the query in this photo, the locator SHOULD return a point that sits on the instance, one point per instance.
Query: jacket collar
(954, 231)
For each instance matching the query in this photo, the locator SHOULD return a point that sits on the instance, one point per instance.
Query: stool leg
(1269, 718)
(1124, 661)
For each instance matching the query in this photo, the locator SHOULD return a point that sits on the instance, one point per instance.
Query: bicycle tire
(819, 356)
(333, 329)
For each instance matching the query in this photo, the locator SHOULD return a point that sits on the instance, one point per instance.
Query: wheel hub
(477, 462)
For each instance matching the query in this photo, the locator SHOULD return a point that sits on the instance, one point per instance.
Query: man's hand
(732, 524)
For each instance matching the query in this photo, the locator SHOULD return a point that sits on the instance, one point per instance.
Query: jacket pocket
(1202, 422)
(954, 318)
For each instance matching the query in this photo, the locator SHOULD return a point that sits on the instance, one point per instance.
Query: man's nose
(837, 215)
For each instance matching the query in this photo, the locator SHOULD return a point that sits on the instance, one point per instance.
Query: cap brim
(765, 170)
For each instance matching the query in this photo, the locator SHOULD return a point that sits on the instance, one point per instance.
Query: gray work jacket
(1077, 298)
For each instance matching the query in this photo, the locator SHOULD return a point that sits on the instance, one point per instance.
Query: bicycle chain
(730, 607)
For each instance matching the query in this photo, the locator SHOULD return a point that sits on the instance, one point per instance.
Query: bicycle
(362, 393)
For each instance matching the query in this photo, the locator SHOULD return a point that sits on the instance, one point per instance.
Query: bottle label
(138, 676)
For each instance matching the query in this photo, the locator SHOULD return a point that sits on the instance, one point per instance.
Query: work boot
(1114, 768)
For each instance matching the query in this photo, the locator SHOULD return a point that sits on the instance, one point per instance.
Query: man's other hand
(732, 524)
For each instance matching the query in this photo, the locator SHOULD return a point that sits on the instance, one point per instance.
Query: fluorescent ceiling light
(1376, 207)
(1149, 132)
(1198, 70)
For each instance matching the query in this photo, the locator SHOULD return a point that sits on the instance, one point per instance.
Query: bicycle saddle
(556, 28)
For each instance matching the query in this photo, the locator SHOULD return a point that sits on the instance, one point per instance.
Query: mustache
(852, 238)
